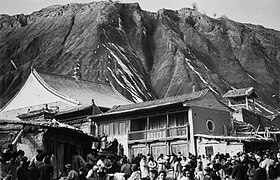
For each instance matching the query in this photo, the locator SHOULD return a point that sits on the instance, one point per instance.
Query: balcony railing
(159, 134)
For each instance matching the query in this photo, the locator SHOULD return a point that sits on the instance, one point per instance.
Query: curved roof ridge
(69, 77)
(52, 90)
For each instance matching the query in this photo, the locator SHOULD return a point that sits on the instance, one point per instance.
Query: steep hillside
(144, 55)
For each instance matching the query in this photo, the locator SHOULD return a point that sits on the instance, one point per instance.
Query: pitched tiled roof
(241, 92)
(82, 91)
(157, 103)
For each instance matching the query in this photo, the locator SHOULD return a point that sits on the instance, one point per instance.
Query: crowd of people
(14, 165)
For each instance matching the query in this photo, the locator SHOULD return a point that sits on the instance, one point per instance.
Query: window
(178, 119)
(104, 128)
(139, 150)
(120, 128)
(158, 122)
(210, 125)
(138, 124)
(157, 150)
(209, 150)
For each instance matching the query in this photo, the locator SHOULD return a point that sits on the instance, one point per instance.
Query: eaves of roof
(244, 138)
(45, 124)
(240, 92)
(155, 103)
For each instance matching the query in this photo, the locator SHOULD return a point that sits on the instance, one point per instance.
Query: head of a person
(20, 153)
(153, 174)
(124, 160)
(39, 151)
(216, 166)
(187, 173)
(162, 175)
(82, 171)
(251, 164)
(47, 160)
(207, 170)
(134, 168)
(68, 167)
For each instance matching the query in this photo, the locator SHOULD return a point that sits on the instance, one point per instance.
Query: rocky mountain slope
(144, 55)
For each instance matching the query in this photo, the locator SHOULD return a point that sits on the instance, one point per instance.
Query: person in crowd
(92, 173)
(91, 158)
(199, 174)
(152, 164)
(53, 163)
(185, 175)
(144, 168)
(161, 163)
(184, 163)
(215, 175)
(77, 161)
(34, 171)
(177, 168)
(260, 173)
(267, 163)
(239, 171)
(38, 159)
(153, 174)
(135, 175)
(126, 168)
(4, 165)
(162, 175)
(22, 170)
(72, 174)
(277, 166)
(82, 173)
(108, 164)
(251, 170)
(46, 170)
(207, 171)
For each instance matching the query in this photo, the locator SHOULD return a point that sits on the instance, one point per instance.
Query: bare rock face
(144, 55)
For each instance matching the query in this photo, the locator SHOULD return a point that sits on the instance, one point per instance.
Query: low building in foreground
(36, 131)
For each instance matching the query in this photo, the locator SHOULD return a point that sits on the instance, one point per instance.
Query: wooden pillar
(247, 104)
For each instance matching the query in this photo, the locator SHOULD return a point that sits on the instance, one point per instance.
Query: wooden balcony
(169, 133)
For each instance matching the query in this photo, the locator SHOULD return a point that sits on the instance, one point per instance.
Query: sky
(261, 12)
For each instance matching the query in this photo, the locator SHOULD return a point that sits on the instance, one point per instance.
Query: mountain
(145, 55)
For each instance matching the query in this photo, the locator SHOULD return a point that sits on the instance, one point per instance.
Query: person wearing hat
(72, 174)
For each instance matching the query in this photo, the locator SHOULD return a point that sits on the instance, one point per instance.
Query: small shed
(241, 98)
(50, 136)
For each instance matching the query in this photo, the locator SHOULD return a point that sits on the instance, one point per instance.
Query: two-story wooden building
(167, 125)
